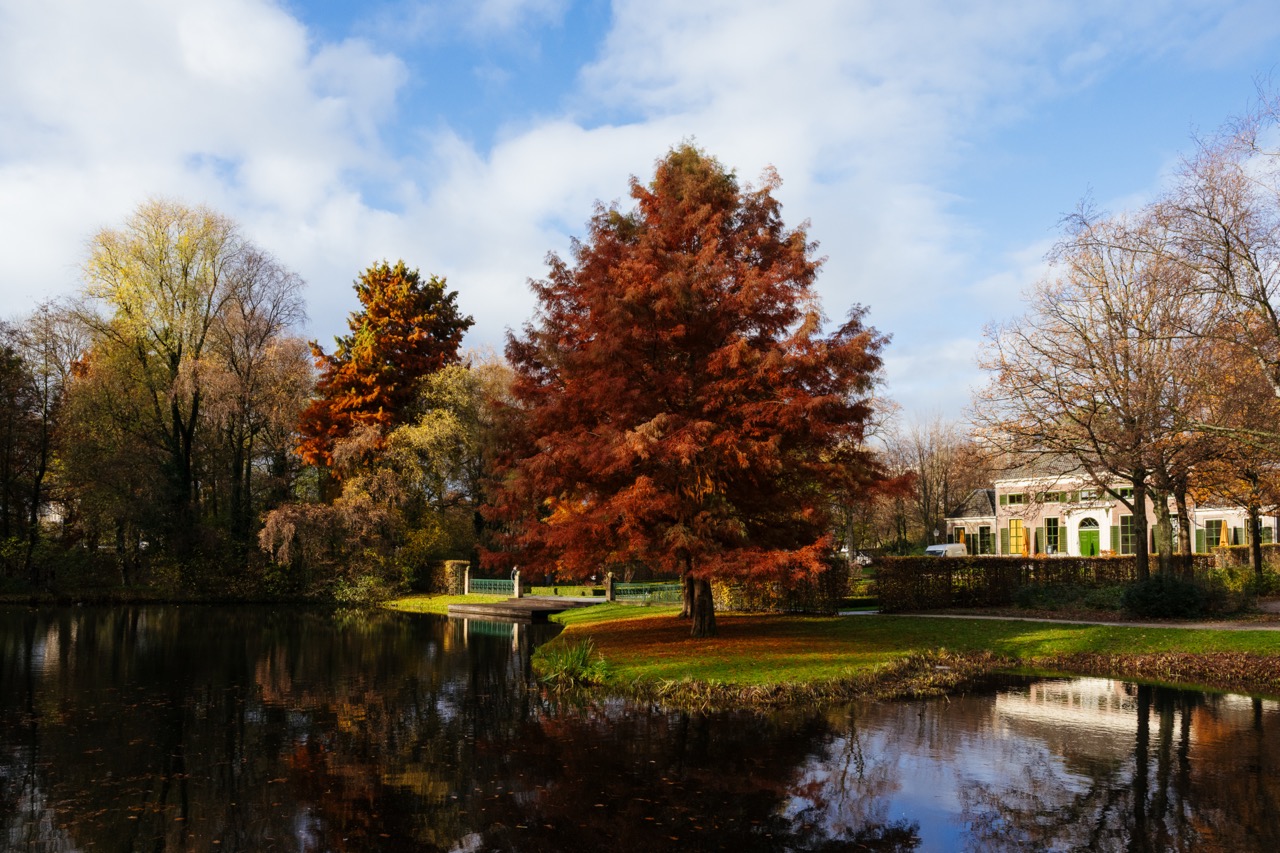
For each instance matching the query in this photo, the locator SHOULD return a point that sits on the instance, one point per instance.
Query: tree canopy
(189, 362)
(407, 328)
(676, 400)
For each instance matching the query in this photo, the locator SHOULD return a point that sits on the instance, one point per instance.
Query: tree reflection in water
(1193, 774)
(245, 730)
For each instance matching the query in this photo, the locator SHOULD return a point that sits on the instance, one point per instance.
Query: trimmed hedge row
(821, 593)
(1241, 555)
(929, 583)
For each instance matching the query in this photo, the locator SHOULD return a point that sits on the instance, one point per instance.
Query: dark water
(173, 729)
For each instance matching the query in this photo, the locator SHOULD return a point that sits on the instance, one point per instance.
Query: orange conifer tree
(677, 402)
(407, 329)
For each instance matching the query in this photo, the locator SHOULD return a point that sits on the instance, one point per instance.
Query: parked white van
(955, 549)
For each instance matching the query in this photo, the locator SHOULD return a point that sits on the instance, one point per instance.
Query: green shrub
(1164, 596)
(1268, 584)
(1040, 597)
(366, 590)
(1069, 596)
(1105, 597)
(563, 666)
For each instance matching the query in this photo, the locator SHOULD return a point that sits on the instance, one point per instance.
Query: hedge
(821, 593)
(1242, 555)
(928, 583)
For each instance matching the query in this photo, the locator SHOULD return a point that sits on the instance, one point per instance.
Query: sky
(932, 146)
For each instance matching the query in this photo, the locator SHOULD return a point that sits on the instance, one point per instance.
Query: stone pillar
(608, 587)
(466, 581)
(517, 587)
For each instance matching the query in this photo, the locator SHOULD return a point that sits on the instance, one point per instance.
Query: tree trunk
(240, 499)
(686, 589)
(704, 612)
(848, 536)
(7, 486)
(1184, 530)
(1255, 541)
(1163, 531)
(122, 557)
(1142, 555)
(183, 450)
(30, 567)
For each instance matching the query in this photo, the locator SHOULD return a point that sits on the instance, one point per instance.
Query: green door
(1089, 543)
(1089, 538)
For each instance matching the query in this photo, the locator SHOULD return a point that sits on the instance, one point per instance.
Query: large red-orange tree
(407, 328)
(677, 401)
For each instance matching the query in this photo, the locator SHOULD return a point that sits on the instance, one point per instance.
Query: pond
(242, 729)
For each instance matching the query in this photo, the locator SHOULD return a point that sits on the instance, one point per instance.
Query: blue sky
(933, 146)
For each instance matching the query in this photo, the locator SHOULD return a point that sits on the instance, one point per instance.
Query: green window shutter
(1040, 541)
(1004, 541)
(1237, 536)
(1200, 549)
(1004, 500)
(1075, 497)
(1115, 539)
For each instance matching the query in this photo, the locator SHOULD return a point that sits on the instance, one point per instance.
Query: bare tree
(1085, 374)
(50, 342)
(945, 467)
(260, 378)
(1223, 216)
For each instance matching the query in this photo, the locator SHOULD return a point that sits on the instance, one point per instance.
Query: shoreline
(770, 662)
(809, 660)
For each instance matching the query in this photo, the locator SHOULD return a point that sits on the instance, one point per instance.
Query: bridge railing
(655, 593)
(492, 586)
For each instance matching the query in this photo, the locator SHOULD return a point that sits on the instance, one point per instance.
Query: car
(954, 549)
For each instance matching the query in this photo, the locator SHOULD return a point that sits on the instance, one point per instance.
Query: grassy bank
(768, 660)
(438, 604)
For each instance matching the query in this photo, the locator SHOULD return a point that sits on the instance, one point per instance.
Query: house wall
(1072, 505)
(972, 528)
(1234, 526)
(1075, 505)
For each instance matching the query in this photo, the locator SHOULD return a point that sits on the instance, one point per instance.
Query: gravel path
(1204, 626)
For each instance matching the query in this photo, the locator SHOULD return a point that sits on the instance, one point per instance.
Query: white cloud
(864, 108)
(935, 376)
(489, 15)
(434, 21)
(222, 102)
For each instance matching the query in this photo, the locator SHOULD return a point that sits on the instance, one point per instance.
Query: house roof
(981, 503)
(1030, 466)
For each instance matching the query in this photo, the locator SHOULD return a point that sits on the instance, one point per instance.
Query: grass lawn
(438, 604)
(650, 644)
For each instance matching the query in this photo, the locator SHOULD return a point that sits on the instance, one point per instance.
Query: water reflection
(239, 729)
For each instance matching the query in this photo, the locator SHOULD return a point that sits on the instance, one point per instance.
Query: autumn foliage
(408, 328)
(678, 403)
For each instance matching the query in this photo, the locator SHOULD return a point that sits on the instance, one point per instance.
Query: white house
(1056, 514)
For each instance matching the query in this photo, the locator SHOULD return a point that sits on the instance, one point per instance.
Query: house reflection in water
(1144, 768)
(1090, 763)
